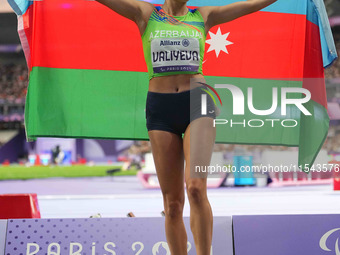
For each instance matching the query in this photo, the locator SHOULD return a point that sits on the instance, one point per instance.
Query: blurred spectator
(13, 81)
(13, 89)
(334, 71)
(57, 155)
(135, 154)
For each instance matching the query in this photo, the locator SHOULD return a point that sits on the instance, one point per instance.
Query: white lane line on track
(210, 194)
(104, 196)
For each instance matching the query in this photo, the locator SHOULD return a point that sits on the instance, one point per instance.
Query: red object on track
(19, 206)
(336, 174)
(336, 183)
(82, 161)
(37, 160)
(6, 163)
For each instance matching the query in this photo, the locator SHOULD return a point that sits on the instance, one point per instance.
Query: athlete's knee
(174, 208)
(196, 192)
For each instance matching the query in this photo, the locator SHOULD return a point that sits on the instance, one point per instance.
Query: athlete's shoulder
(147, 10)
(147, 7)
(203, 11)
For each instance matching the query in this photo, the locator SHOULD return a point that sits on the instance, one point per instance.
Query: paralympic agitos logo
(238, 108)
(324, 238)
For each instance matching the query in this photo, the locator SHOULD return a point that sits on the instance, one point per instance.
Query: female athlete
(173, 40)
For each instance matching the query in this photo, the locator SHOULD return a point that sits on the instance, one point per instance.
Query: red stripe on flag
(85, 35)
(25, 34)
(88, 35)
(265, 45)
(313, 67)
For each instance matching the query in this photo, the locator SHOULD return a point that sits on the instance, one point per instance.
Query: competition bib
(175, 54)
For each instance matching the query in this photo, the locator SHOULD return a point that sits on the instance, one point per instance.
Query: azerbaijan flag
(88, 77)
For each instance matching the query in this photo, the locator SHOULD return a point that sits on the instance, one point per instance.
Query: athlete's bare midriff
(174, 83)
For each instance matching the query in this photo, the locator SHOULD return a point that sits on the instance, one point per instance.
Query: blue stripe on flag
(281, 6)
(316, 13)
(20, 6)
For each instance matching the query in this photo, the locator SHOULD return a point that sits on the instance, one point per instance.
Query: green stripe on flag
(239, 130)
(111, 105)
(86, 104)
(314, 132)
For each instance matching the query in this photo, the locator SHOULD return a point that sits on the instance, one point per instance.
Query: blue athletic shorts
(173, 112)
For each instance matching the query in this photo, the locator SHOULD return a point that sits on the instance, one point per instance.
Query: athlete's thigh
(198, 144)
(167, 150)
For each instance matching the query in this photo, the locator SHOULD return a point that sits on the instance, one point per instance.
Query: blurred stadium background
(13, 87)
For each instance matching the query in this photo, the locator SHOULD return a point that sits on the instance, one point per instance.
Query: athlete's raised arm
(215, 15)
(135, 10)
